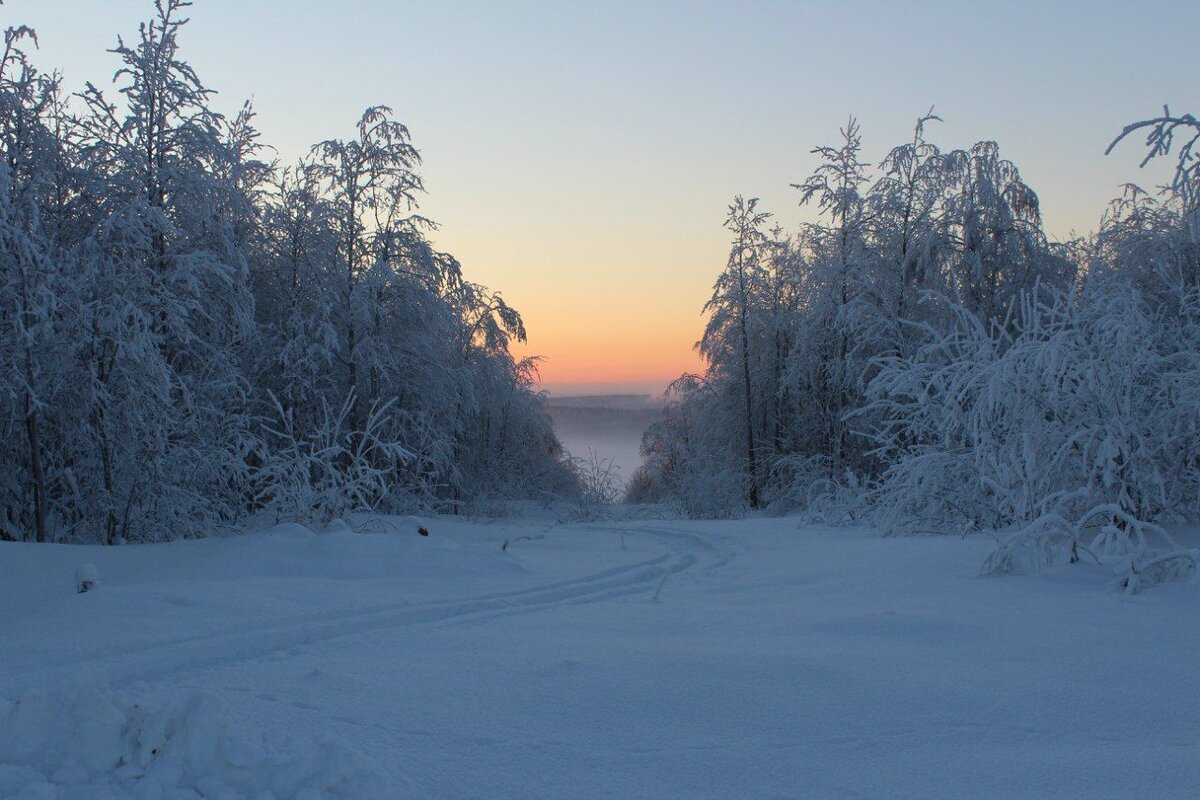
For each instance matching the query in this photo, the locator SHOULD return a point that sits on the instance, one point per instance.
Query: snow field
(632, 659)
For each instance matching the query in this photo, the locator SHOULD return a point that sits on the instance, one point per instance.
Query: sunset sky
(579, 157)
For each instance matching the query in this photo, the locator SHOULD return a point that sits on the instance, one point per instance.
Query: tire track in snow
(160, 659)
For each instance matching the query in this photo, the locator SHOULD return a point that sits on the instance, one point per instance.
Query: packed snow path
(641, 659)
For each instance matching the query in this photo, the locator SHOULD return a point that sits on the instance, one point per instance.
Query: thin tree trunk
(31, 424)
(35, 460)
(750, 450)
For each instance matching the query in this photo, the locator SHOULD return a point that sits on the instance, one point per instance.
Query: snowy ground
(647, 659)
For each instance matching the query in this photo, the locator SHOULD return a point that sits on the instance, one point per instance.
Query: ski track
(720, 557)
(161, 659)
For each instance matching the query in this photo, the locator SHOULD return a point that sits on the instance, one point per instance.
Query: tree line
(926, 357)
(196, 334)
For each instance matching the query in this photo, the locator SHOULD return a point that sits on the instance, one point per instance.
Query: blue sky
(580, 155)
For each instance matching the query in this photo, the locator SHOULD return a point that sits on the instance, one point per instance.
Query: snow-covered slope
(642, 659)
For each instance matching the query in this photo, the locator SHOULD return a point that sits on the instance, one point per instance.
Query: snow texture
(633, 659)
(88, 743)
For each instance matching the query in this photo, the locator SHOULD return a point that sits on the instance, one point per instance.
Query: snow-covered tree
(198, 336)
(840, 251)
(726, 340)
(32, 286)
(949, 366)
(168, 293)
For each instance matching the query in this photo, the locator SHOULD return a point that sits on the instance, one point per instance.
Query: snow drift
(89, 742)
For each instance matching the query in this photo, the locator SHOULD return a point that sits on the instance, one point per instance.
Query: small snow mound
(338, 526)
(90, 743)
(291, 530)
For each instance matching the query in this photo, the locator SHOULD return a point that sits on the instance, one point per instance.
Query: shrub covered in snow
(1078, 400)
(1076, 416)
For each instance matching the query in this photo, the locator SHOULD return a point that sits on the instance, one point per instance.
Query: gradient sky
(580, 156)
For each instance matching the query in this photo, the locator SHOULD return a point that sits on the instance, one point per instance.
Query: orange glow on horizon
(621, 315)
(572, 360)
